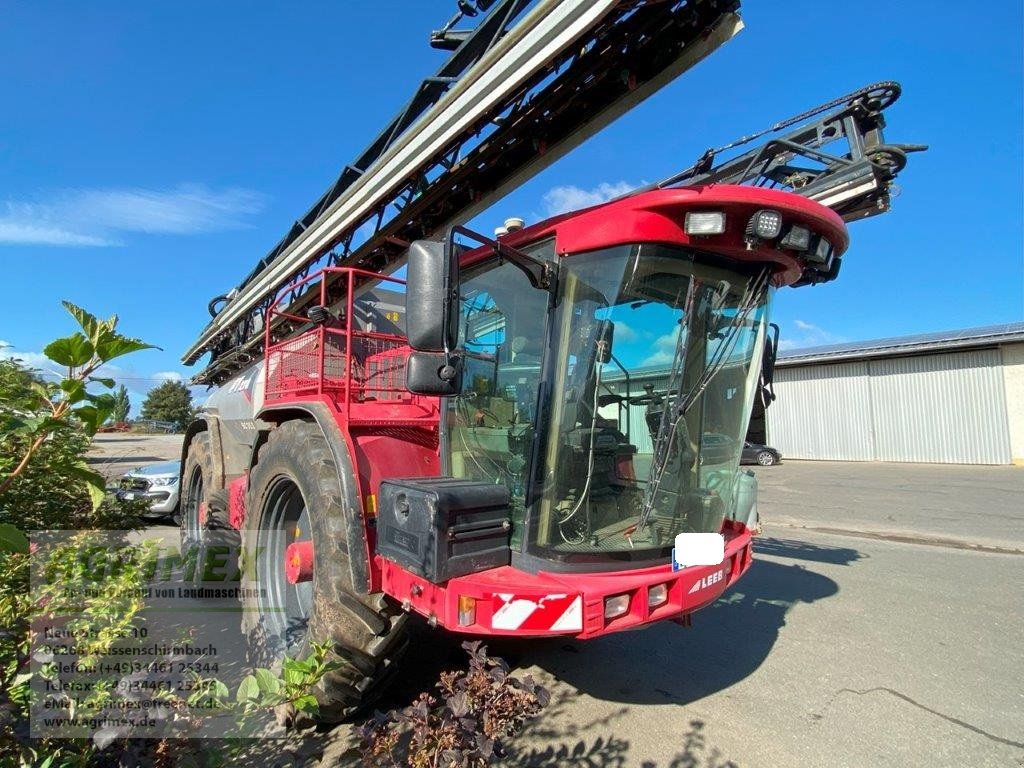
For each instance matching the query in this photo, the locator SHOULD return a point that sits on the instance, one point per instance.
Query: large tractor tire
(201, 508)
(295, 497)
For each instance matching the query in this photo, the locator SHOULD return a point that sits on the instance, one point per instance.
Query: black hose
(212, 306)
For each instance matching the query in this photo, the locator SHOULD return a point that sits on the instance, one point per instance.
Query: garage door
(933, 408)
(822, 412)
(945, 408)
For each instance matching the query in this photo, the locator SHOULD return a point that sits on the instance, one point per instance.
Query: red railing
(361, 370)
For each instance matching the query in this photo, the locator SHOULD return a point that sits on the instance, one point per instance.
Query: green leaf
(96, 496)
(291, 675)
(12, 540)
(248, 690)
(103, 402)
(42, 389)
(220, 691)
(89, 415)
(267, 681)
(96, 484)
(303, 666)
(12, 424)
(74, 390)
(72, 351)
(108, 383)
(111, 345)
(307, 704)
(88, 322)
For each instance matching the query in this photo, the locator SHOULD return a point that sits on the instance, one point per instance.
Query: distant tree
(171, 401)
(122, 405)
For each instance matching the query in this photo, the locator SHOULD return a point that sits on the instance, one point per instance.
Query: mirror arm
(540, 273)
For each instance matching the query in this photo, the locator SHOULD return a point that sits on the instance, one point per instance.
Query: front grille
(133, 484)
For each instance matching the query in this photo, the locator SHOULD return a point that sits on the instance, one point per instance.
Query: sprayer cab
(600, 369)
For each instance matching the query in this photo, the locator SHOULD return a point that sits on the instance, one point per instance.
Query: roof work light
(820, 254)
(705, 223)
(764, 224)
(798, 238)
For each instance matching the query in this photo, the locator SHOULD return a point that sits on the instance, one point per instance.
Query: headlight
(163, 480)
(704, 223)
(616, 606)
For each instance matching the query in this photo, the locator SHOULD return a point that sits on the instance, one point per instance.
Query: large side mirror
(431, 319)
(432, 295)
(434, 373)
(771, 351)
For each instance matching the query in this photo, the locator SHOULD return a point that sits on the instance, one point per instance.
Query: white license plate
(129, 496)
(697, 549)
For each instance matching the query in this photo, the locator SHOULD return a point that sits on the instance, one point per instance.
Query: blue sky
(150, 153)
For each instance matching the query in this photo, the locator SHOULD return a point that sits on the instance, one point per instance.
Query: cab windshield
(656, 359)
(616, 419)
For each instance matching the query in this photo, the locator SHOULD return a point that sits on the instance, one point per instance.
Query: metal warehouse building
(954, 397)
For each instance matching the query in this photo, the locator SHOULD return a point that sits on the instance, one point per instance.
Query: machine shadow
(667, 663)
(802, 550)
(728, 641)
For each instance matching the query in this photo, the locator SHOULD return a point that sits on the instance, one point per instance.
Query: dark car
(755, 453)
(716, 448)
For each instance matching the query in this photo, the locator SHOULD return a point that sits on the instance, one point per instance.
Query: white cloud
(664, 350)
(13, 231)
(174, 376)
(624, 333)
(809, 335)
(570, 198)
(34, 360)
(96, 217)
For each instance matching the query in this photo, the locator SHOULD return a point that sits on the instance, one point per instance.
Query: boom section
(838, 158)
(566, 70)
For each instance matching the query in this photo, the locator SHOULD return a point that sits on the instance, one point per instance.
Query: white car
(157, 483)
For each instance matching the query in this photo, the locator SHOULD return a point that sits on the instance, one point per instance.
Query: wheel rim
(285, 607)
(765, 459)
(193, 498)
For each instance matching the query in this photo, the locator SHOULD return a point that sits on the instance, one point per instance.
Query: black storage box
(442, 527)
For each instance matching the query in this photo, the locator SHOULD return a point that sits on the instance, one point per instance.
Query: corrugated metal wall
(822, 412)
(948, 408)
(639, 434)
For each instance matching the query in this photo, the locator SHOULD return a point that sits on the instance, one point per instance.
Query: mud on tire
(296, 494)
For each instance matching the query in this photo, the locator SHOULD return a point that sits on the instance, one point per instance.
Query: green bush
(46, 484)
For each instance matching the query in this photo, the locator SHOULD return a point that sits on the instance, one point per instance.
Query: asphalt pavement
(114, 454)
(880, 625)
(951, 504)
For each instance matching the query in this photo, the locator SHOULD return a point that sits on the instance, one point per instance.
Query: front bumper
(507, 601)
(162, 500)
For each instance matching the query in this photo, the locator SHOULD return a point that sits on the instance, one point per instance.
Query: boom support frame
(609, 58)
